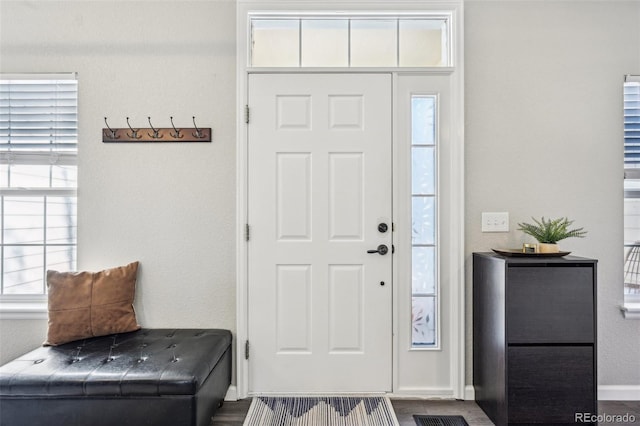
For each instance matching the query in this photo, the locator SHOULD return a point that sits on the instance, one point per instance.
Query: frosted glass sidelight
(423, 220)
(423, 270)
(275, 43)
(325, 43)
(424, 288)
(423, 120)
(374, 43)
(423, 321)
(423, 176)
(422, 42)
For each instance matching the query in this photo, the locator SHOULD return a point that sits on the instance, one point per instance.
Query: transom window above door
(350, 41)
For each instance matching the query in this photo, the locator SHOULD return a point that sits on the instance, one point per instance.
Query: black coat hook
(134, 132)
(156, 132)
(112, 132)
(198, 134)
(177, 134)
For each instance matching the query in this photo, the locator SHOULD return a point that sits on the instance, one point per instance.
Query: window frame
(58, 153)
(434, 195)
(631, 306)
(454, 77)
(450, 54)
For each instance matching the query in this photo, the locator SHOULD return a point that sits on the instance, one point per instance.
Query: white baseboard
(605, 392)
(232, 393)
(619, 393)
(422, 392)
(469, 393)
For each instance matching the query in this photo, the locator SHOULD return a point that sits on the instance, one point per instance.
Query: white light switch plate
(495, 222)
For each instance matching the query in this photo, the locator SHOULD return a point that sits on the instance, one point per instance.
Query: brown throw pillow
(89, 304)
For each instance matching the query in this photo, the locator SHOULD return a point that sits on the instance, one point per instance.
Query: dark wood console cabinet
(534, 338)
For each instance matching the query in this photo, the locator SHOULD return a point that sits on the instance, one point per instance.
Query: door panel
(346, 193)
(320, 306)
(293, 196)
(345, 304)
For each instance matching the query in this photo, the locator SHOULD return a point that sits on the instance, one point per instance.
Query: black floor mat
(439, 420)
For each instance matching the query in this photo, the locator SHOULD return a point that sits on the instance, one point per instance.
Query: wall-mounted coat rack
(156, 135)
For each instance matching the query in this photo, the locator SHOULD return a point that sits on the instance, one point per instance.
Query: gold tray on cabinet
(520, 253)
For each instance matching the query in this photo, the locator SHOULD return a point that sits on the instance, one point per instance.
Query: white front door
(319, 197)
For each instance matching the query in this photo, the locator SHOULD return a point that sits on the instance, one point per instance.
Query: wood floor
(233, 413)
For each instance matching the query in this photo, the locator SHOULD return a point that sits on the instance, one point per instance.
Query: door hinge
(246, 114)
(247, 232)
(246, 350)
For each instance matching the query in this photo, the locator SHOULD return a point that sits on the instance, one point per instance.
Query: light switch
(495, 222)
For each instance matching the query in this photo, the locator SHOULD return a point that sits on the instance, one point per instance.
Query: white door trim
(457, 269)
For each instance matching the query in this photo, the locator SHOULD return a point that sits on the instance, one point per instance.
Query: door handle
(381, 250)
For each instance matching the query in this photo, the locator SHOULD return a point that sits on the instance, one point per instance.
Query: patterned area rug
(321, 411)
(439, 420)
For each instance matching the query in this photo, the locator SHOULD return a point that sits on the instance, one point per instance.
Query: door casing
(456, 269)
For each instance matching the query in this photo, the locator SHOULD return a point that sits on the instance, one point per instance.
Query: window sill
(23, 308)
(631, 310)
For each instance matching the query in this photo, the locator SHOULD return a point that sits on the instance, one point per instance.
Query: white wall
(543, 137)
(170, 206)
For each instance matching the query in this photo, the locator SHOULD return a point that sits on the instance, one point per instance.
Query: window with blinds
(632, 188)
(632, 123)
(38, 179)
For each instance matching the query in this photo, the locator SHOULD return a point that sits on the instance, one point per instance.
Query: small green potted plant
(549, 232)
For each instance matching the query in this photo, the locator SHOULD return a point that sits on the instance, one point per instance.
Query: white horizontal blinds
(38, 179)
(632, 122)
(39, 115)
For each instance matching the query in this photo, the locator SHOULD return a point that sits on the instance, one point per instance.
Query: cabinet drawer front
(549, 384)
(550, 304)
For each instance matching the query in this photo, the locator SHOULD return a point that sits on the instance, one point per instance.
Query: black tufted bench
(149, 377)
